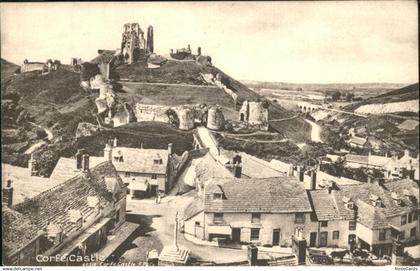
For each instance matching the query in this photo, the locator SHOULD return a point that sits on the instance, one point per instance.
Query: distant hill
(7, 69)
(328, 86)
(405, 93)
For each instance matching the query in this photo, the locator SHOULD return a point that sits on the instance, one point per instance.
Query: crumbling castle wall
(258, 114)
(148, 112)
(215, 118)
(254, 113)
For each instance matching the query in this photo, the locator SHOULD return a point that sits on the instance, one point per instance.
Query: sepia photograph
(230, 134)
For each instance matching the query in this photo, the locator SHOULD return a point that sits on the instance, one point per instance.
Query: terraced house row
(81, 217)
(267, 211)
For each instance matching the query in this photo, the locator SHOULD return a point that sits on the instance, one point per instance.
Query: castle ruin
(254, 113)
(133, 44)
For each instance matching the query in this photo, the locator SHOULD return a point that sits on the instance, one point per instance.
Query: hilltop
(56, 102)
(392, 131)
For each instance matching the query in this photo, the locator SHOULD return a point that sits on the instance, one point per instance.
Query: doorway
(242, 117)
(312, 239)
(323, 238)
(276, 237)
(236, 235)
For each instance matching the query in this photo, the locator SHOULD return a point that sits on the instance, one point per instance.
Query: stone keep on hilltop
(133, 44)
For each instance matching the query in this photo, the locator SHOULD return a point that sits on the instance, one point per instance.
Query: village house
(145, 171)
(264, 211)
(369, 215)
(406, 166)
(357, 142)
(72, 219)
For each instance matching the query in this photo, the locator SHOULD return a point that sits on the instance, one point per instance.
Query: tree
(349, 96)
(336, 95)
(46, 162)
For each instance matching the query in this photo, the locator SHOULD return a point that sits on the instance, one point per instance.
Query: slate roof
(193, 208)
(66, 168)
(324, 206)
(373, 160)
(33, 216)
(265, 195)
(361, 159)
(141, 160)
(253, 167)
(357, 140)
(361, 194)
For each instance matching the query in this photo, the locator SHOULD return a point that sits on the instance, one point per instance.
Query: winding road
(39, 144)
(315, 132)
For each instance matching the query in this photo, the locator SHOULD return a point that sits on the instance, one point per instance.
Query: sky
(299, 42)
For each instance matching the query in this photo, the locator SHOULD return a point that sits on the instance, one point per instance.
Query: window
(256, 218)
(154, 176)
(413, 232)
(324, 224)
(402, 235)
(218, 218)
(410, 217)
(197, 223)
(382, 233)
(255, 234)
(352, 238)
(352, 225)
(299, 218)
(403, 220)
(217, 196)
(415, 215)
(127, 174)
(336, 235)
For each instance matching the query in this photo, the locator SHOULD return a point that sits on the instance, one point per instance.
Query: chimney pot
(115, 143)
(170, 148)
(85, 163)
(7, 196)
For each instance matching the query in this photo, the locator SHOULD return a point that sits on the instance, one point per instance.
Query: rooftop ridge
(72, 179)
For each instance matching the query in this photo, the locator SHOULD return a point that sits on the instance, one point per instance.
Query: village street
(156, 230)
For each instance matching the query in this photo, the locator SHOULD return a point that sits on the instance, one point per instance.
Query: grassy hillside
(173, 72)
(7, 69)
(406, 93)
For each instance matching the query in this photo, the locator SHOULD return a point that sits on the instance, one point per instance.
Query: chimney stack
(85, 163)
(115, 142)
(406, 152)
(31, 165)
(170, 148)
(8, 194)
(79, 158)
(237, 170)
(108, 152)
(313, 179)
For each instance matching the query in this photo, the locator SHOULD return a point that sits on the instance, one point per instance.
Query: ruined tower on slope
(150, 39)
(132, 43)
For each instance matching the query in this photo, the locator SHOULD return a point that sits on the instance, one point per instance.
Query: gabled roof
(361, 159)
(265, 195)
(193, 208)
(52, 205)
(357, 140)
(66, 168)
(253, 167)
(362, 196)
(141, 160)
(324, 206)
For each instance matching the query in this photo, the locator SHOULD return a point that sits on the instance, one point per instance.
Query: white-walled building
(260, 211)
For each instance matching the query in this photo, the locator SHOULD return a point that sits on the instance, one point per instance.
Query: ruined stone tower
(150, 39)
(132, 42)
